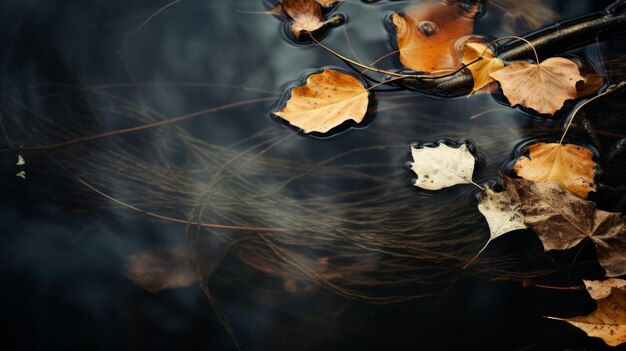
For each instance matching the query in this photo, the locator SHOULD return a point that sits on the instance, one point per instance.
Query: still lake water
(367, 262)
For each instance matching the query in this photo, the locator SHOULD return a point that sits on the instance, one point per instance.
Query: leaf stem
(608, 90)
(514, 37)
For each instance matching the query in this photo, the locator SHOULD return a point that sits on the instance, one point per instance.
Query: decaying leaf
(502, 211)
(442, 166)
(427, 31)
(306, 15)
(608, 321)
(562, 220)
(480, 69)
(544, 87)
(599, 289)
(326, 100)
(570, 165)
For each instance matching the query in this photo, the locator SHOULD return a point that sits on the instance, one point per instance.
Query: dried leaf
(599, 289)
(326, 100)
(442, 166)
(543, 87)
(306, 15)
(426, 33)
(562, 220)
(608, 321)
(502, 211)
(482, 68)
(570, 165)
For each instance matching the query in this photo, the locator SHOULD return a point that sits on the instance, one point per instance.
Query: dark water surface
(368, 261)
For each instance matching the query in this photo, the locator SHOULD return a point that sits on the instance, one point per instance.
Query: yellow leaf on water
(570, 165)
(426, 32)
(482, 68)
(542, 87)
(327, 100)
(608, 321)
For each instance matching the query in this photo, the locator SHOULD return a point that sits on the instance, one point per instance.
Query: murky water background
(368, 261)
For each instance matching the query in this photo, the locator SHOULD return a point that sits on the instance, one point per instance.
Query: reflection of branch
(548, 42)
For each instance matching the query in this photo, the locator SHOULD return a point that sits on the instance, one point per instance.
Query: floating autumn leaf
(427, 31)
(327, 100)
(607, 322)
(480, 69)
(570, 165)
(562, 220)
(502, 212)
(599, 289)
(442, 166)
(306, 15)
(544, 87)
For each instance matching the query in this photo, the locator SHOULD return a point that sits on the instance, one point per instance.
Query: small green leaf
(22, 174)
(20, 160)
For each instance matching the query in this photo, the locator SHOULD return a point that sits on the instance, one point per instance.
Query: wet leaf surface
(442, 166)
(608, 321)
(426, 33)
(570, 165)
(481, 69)
(543, 87)
(327, 100)
(562, 220)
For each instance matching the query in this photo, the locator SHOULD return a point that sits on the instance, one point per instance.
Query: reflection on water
(242, 232)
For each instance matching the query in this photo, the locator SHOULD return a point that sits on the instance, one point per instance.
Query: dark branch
(549, 41)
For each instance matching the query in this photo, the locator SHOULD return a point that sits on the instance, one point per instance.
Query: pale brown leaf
(542, 87)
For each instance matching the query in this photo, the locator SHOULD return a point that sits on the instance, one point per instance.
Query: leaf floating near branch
(427, 31)
(562, 220)
(608, 321)
(306, 15)
(543, 87)
(570, 165)
(599, 289)
(327, 100)
(442, 166)
(482, 68)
